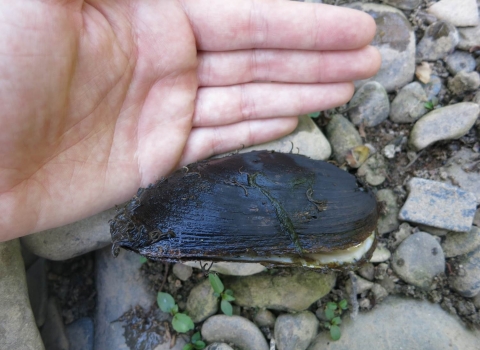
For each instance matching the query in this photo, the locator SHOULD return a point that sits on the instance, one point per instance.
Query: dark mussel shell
(258, 205)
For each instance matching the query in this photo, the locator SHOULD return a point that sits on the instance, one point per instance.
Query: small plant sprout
(219, 291)
(182, 323)
(332, 314)
(195, 343)
(143, 260)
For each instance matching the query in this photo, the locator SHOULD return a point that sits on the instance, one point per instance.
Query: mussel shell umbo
(255, 207)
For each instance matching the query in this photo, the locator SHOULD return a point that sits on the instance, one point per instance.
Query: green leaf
(336, 321)
(196, 337)
(314, 114)
(229, 292)
(331, 305)
(174, 309)
(329, 314)
(226, 307)
(327, 325)
(216, 283)
(343, 304)
(335, 332)
(199, 345)
(143, 260)
(216, 294)
(165, 301)
(227, 297)
(188, 347)
(428, 105)
(182, 323)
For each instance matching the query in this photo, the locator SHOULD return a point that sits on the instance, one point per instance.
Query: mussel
(279, 209)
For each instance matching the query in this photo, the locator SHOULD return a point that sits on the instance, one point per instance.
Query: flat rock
(182, 271)
(439, 205)
(467, 282)
(439, 40)
(38, 290)
(229, 268)
(460, 13)
(389, 326)
(461, 171)
(409, 104)
(18, 330)
(464, 82)
(388, 219)
(460, 61)
(80, 334)
(343, 136)
(459, 243)
(395, 40)
(72, 240)
(295, 331)
(293, 291)
(53, 331)
(469, 38)
(418, 260)
(369, 105)
(201, 302)
(446, 123)
(374, 170)
(234, 329)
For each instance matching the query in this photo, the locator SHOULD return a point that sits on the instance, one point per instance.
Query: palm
(106, 98)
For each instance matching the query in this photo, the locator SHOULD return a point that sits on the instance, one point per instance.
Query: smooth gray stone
(234, 329)
(395, 40)
(201, 302)
(119, 288)
(418, 259)
(403, 4)
(369, 105)
(388, 219)
(38, 290)
(359, 284)
(72, 240)
(464, 82)
(367, 271)
(374, 170)
(18, 330)
(295, 331)
(80, 334)
(459, 243)
(264, 318)
(343, 136)
(53, 331)
(182, 271)
(469, 38)
(409, 104)
(380, 254)
(399, 323)
(467, 281)
(460, 13)
(460, 60)
(439, 40)
(433, 87)
(439, 205)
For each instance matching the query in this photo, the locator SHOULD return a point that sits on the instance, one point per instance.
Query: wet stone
(388, 220)
(295, 331)
(369, 105)
(182, 271)
(460, 13)
(418, 260)
(343, 136)
(38, 290)
(467, 280)
(264, 318)
(53, 331)
(458, 243)
(374, 170)
(464, 82)
(460, 61)
(439, 40)
(80, 334)
(409, 104)
(438, 204)
(201, 302)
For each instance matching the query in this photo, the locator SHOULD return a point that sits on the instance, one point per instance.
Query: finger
(243, 66)
(226, 105)
(237, 24)
(205, 142)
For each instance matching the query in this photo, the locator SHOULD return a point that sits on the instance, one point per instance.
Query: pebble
(460, 13)
(295, 331)
(476, 99)
(459, 170)
(433, 230)
(229, 268)
(423, 72)
(72, 240)
(182, 271)
(18, 329)
(409, 104)
(403, 4)
(369, 105)
(388, 218)
(404, 231)
(458, 243)
(395, 40)
(476, 301)
(433, 87)
(38, 290)
(53, 331)
(464, 82)
(343, 136)
(264, 318)
(80, 334)
(418, 260)
(374, 170)
(219, 346)
(460, 61)
(380, 254)
(446, 123)
(379, 293)
(439, 40)
(400, 323)
(381, 271)
(201, 302)
(469, 38)
(367, 271)
(467, 281)
(234, 329)
(358, 284)
(439, 205)
(292, 291)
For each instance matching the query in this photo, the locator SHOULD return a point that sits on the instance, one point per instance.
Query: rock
(467, 281)
(476, 98)
(388, 219)
(458, 243)
(80, 334)
(201, 302)
(292, 291)
(418, 260)
(409, 104)
(463, 82)
(460, 13)
(461, 171)
(18, 329)
(234, 329)
(380, 254)
(423, 72)
(53, 331)
(358, 284)
(381, 271)
(395, 40)
(182, 271)
(439, 40)
(264, 318)
(379, 293)
(476, 301)
(476, 219)
(72, 240)
(113, 275)
(390, 326)
(404, 4)
(374, 170)
(38, 290)
(343, 136)
(356, 156)
(438, 204)
(230, 268)
(404, 231)
(460, 61)
(446, 123)
(179, 344)
(469, 38)
(369, 105)
(433, 87)
(367, 271)
(295, 331)
(219, 346)
(433, 230)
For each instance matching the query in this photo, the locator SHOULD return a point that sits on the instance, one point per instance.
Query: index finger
(277, 24)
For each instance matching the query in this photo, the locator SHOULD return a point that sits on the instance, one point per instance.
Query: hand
(101, 97)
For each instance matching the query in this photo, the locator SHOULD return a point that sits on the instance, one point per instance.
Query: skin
(101, 97)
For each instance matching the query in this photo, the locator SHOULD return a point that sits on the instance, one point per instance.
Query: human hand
(101, 97)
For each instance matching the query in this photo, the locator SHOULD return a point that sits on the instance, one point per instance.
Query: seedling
(429, 105)
(220, 291)
(143, 260)
(314, 115)
(181, 322)
(332, 313)
(195, 343)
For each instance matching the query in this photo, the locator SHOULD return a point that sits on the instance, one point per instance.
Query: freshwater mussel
(278, 209)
